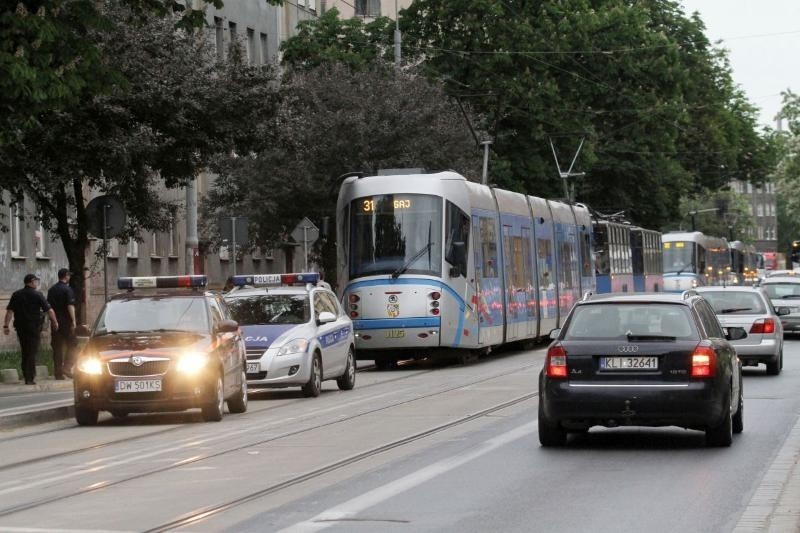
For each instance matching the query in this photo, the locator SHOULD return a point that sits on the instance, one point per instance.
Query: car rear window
(609, 321)
(785, 291)
(735, 302)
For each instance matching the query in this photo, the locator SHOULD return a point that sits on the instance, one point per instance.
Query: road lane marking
(351, 508)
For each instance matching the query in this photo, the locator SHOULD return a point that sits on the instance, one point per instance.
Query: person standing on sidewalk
(27, 307)
(61, 298)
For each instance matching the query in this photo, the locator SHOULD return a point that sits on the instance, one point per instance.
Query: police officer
(61, 298)
(27, 307)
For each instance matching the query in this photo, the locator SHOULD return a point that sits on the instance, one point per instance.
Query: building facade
(763, 207)
(368, 9)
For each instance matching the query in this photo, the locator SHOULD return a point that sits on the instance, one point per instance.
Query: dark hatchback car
(641, 360)
(168, 349)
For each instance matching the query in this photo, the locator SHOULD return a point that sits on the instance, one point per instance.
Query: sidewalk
(48, 400)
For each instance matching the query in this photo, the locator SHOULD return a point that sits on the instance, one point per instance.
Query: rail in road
(396, 393)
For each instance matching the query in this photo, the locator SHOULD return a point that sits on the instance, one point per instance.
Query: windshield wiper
(734, 310)
(119, 332)
(632, 337)
(416, 256)
(789, 296)
(168, 330)
(684, 267)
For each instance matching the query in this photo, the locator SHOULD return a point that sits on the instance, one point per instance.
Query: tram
(692, 259)
(432, 263)
(744, 263)
(627, 258)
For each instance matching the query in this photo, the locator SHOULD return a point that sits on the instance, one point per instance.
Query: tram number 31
(369, 205)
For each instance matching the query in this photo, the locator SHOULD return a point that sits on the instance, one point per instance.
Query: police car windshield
(270, 309)
(151, 314)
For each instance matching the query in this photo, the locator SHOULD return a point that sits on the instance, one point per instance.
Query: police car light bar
(276, 279)
(162, 282)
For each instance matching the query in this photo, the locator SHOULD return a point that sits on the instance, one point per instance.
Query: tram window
(488, 247)
(457, 242)
(545, 263)
(601, 250)
(586, 263)
(565, 263)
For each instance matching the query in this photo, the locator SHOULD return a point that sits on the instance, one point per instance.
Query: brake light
(704, 362)
(353, 298)
(763, 325)
(556, 362)
(435, 295)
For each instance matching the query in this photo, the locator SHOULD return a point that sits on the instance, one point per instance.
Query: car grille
(147, 368)
(255, 353)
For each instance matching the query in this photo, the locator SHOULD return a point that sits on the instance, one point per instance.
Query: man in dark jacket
(27, 307)
(61, 298)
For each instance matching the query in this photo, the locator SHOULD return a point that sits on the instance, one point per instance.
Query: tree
(732, 218)
(787, 174)
(172, 108)
(333, 120)
(662, 117)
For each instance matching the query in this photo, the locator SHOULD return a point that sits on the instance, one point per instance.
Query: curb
(49, 385)
(37, 416)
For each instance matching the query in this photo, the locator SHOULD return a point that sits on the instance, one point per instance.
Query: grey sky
(763, 38)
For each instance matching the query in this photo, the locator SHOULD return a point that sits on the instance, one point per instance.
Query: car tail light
(763, 325)
(435, 311)
(556, 362)
(704, 362)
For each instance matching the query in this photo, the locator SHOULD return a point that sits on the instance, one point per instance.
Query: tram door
(489, 297)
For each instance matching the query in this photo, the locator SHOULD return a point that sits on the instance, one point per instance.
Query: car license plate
(138, 385)
(629, 363)
(253, 368)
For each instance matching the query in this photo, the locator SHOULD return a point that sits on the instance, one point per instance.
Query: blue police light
(275, 279)
(162, 282)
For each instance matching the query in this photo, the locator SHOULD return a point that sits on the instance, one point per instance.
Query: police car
(295, 331)
(165, 344)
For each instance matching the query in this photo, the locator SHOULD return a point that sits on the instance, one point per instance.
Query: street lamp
(698, 211)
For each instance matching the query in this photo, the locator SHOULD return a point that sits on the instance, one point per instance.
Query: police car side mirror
(228, 326)
(325, 317)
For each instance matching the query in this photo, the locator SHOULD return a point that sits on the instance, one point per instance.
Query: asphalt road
(423, 448)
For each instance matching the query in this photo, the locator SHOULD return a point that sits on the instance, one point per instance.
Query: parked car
(750, 309)
(641, 360)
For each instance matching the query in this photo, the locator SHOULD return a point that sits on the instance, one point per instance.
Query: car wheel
(119, 414)
(550, 433)
(314, 385)
(722, 434)
(85, 416)
(738, 418)
(774, 368)
(238, 404)
(213, 411)
(348, 380)
(781, 367)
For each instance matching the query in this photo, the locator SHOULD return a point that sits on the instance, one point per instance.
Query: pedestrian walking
(28, 307)
(61, 298)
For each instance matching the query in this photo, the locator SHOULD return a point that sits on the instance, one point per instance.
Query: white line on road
(358, 504)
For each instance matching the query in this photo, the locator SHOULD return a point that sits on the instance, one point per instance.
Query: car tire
(119, 415)
(722, 434)
(738, 418)
(212, 412)
(238, 403)
(348, 380)
(313, 388)
(550, 433)
(86, 416)
(774, 368)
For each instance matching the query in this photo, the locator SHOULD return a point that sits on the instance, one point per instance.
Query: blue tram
(429, 263)
(692, 259)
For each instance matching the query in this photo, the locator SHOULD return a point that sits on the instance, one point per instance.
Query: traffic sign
(305, 232)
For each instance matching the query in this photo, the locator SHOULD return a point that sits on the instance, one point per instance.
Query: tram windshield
(396, 234)
(679, 257)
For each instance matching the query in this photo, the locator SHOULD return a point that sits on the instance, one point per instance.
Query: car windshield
(782, 291)
(655, 321)
(735, 302)
(270, 309)
(396, 234)
(156, 313)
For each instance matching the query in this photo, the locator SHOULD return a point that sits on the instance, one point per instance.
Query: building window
(14, 229)
(219, 34)
(133, 249)
(232, 29)
(760, 210)
(760, 232)
(264, 49)
(173, 240)
(772, 209)
(112, 248)
(368, 8)
(251, 46)
(39, 237)
(154, 251)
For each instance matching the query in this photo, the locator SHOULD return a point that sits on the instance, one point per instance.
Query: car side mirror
(326, 317)
(783, 311)
(734, 333)
(554, 333)
(228, 326)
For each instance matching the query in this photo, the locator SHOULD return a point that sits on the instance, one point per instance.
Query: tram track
(183, 426)
(207, 456)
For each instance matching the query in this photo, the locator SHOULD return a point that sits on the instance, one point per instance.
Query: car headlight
(90, 365)
(293, 346)
(192, 362)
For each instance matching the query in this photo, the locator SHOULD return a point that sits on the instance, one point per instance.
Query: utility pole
(191, 225)
(696, 212)
(569, 189)
(397, 37)
(485, 175)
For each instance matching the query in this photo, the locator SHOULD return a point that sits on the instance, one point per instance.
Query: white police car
(295, 332)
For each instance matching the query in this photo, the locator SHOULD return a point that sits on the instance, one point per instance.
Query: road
(427, 447)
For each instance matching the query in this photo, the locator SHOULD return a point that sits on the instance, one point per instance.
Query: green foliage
(787, 175)
(732, 219)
